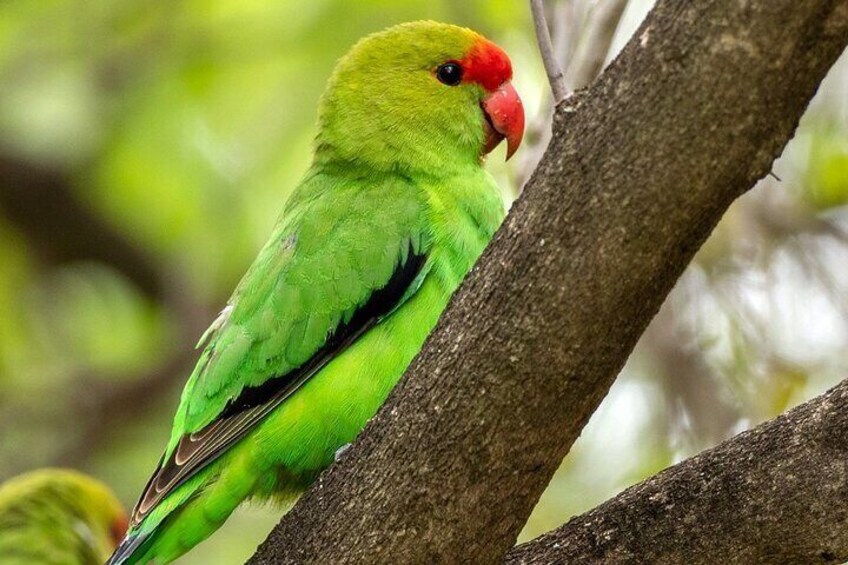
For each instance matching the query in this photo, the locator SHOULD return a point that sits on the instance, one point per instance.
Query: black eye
(449, 74)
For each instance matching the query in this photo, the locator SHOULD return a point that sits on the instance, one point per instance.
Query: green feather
(57, 517)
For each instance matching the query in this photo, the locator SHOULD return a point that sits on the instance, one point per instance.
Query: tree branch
(586, 64)
(590, 55)
(775, 494)
(546, 49)
(99, 407)
(40, 202)
(639, 171)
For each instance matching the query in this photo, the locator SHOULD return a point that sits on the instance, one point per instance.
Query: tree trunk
(639, 171)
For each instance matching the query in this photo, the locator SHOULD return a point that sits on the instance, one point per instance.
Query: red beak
(504, 119)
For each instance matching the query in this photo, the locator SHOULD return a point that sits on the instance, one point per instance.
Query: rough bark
(639, 171)
(775, 494)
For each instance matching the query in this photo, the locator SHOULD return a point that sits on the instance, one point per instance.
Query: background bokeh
(146, 147)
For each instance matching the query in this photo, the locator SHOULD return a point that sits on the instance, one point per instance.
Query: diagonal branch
(41, 203)
(775, 494)
(638, 173)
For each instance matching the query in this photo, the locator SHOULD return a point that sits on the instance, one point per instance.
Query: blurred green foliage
(182, 126)
(828, 162)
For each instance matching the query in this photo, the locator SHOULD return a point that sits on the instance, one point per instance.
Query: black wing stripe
(195, 450)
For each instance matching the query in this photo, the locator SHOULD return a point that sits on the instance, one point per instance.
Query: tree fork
(639, 170)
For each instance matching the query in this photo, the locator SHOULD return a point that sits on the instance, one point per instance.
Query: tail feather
(128, 548)
(163, 539)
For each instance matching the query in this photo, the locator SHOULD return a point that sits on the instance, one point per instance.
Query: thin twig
(590, 55)
(585, 52)
(565, 27)
(543, 37)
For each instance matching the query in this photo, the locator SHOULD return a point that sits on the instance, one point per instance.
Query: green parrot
(393, 212)
(58, 517)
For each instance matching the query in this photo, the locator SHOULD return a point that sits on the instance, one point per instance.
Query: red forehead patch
(487, 65)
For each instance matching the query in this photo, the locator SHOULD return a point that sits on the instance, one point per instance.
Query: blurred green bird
(392, 214)
(58, 517)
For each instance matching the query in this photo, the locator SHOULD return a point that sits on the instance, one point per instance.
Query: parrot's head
(77, 503)
(420, 95)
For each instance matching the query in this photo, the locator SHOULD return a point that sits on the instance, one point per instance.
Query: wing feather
(302, 303)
